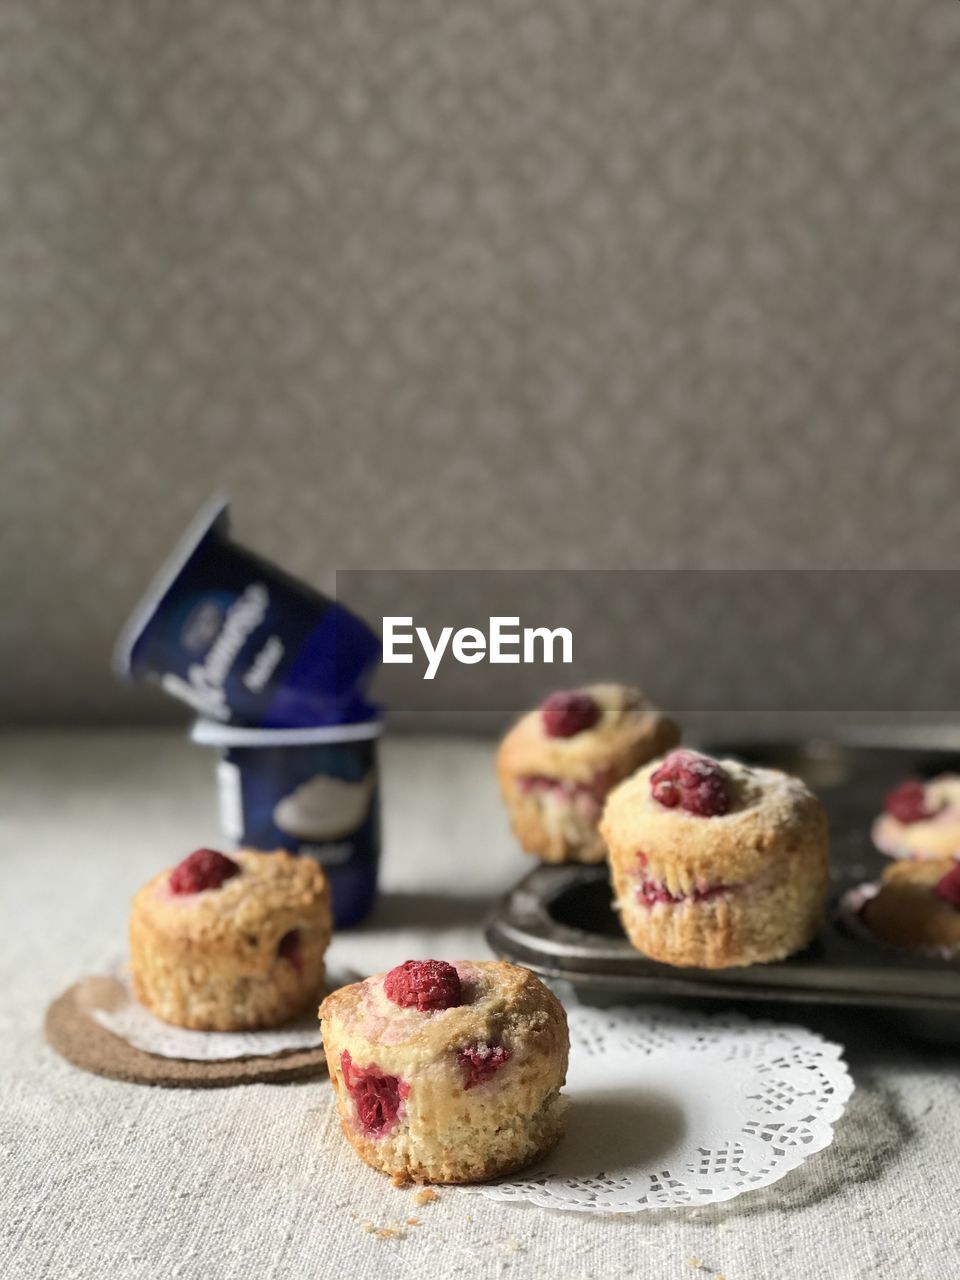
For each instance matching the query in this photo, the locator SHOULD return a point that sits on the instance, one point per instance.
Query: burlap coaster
(71, 1029)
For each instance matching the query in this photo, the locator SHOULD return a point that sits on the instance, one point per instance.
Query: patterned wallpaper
(431, 283)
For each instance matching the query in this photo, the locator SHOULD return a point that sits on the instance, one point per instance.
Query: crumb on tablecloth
(699, 1265)
(392, 1232)
(426, 1195)
(413, 1222)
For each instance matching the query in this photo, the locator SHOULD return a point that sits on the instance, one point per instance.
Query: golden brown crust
(498, 998)
(766, 922)
(446, 1132)
(772, 815)
(452, 1172)
(907, 913)
(209, 960)
(561, 827)
(270, 887)
(750, 884)
(556, 828)
(630, 731)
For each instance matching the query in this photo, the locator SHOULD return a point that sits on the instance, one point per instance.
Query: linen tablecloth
(100, 1178)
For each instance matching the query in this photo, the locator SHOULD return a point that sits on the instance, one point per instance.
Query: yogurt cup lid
(211, 733)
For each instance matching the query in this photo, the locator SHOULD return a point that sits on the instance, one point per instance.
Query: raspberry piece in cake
(567, 714)
(948, 887)
(908, 802)
(288, 948)
(597, 788)
(376, 1096)
(203, 869)
(695, 783)
(427, 985)
(650, 892)
(481, 1062)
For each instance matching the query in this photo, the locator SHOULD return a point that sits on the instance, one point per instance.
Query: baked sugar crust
(211, 961)
(447, 1130)
(744, 887)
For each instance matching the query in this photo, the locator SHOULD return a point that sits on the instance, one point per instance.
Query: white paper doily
(671, 1110)
(135, 1024)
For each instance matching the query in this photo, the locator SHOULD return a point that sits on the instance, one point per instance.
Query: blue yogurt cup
(243, 642)
(314, 791)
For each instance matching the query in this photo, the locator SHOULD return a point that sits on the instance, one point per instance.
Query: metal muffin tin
(559, 921)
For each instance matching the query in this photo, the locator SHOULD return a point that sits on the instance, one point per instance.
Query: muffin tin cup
(560, 921)
(849, 913)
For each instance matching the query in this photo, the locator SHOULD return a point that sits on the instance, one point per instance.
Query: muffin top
(419, 1011)
(921, 819)
(575, 733)
(917, 904)
(211, 897)
(694, 820)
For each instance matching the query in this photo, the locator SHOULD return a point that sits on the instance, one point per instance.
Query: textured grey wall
(554, 283)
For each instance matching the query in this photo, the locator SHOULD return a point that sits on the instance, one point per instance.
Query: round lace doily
(671, 1110)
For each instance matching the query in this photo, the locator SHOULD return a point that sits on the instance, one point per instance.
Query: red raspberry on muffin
(921, 819)
(567, 713)
(558, 763)
(203, 869)
(692, 781)
(423, 984)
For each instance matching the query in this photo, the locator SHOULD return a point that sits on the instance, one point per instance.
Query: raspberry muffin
(921, 819)
(716, 864)
(447, 1073)
(917, 904)
(231, 944)
(557, 764)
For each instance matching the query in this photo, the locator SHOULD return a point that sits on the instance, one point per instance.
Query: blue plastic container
(312, 791)
(243, 642)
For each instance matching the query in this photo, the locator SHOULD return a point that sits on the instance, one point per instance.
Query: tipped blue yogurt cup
(243, 642)
(314, 791)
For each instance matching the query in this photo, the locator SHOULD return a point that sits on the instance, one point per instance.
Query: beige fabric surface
(100, 1178)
